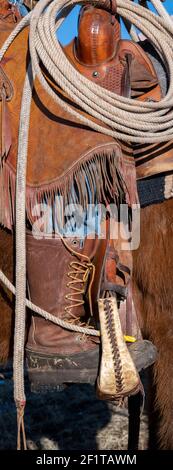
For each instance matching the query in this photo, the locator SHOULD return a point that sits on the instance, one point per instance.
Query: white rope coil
(128, 120)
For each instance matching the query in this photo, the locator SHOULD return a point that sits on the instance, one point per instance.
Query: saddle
(65, 140)
(71, 166)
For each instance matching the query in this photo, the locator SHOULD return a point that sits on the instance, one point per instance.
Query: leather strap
(116, 277)
(6, 85)
(6, 137)
(6, 94)
(126, 79)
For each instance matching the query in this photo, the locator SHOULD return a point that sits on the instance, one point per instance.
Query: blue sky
(69, 28)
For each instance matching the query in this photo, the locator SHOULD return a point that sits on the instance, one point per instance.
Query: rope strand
(46, 315)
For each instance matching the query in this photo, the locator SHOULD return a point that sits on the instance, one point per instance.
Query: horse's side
(153, 275)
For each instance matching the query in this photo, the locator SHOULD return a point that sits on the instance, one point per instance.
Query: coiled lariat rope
(126, 119)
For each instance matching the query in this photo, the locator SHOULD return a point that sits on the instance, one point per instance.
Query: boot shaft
(59, 274)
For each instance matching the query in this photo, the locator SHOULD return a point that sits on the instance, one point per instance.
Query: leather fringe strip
(101, 179)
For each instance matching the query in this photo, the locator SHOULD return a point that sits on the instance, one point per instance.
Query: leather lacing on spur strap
(82, 271)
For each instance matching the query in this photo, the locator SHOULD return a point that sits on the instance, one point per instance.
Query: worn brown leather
(116, 279)
(49, 264)
(6, 94)
(54, 136)
(59, 131)
(9, 13)
(153, 159)
(112, 74)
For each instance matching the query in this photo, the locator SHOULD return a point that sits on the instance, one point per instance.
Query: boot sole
(54, 371)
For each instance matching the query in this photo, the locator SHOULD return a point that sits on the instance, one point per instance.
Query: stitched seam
(114, 345)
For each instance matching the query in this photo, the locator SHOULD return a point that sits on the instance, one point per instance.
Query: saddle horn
(98, 33)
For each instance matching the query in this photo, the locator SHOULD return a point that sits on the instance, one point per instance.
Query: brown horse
(152, 276)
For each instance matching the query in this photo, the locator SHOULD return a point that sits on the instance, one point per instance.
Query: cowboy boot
(59, 274)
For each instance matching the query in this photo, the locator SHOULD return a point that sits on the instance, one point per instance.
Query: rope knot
(21, 436)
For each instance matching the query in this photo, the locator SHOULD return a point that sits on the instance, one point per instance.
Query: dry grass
(70, 420)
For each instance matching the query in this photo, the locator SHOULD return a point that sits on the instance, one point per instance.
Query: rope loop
(126, 119)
